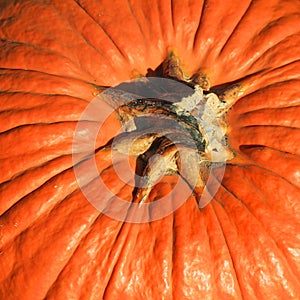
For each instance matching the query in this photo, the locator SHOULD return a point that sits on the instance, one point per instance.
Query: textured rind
(55, 56)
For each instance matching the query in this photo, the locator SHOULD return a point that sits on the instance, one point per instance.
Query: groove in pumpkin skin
(279, 202)
(97, 245)
(91, 35)
(48, 202)
(100, 45)
(283, 117)
(41, 150)
(31, 180)
(244, 161)
(46, 228)
(91, 14)
(289, 42)
(265, 216)
(278, 35)
(18, 51)
(275, 232)
(12, 80)
(284, 164)
(257, 9)
(190, 259)
(272, 78)
(250, 285)
(54, 41)
(282, 139)
(26, 100)
(130, 257)
(17, 118)
(128, 54)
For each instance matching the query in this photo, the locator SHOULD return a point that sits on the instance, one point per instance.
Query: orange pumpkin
(55, 57)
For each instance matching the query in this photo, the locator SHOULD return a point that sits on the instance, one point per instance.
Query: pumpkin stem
(188, 137)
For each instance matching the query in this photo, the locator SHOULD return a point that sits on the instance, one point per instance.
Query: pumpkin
(56, 57)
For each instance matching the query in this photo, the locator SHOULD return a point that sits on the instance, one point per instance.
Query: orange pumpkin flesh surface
(55, 57)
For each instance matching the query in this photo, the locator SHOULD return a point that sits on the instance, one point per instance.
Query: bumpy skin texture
(54, 58)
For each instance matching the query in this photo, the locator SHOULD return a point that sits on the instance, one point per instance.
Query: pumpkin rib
(7, 41)
(185, 16)
(110, 256)
(44, 129)
(263, 39)
(50, 192)
(56, 286)
(135, 19)
(172, 248)
(56, 206)
(148, 13)
(220, 245)
(277, 22)
(43, 124)
(201, 12)
(289, 42)
(258, 9)
(123, 236)
(273, 235)
(284, 116)
(31, 180)
(238, 24)
(12, 100)
(17, 94)
(123, 54)
(165, 25)
(37, 116)
(186, 258)
(26, 167)
(17, 170)
(82, 240)
(283, 139)
(119, 61)
(246, 147)
(172, 14)
(22, 194)
(258, 82)
(209, 42)
(216, 14)
(280, 139)
(110, 68)
(232, 57)
(267, 170)
(269, 126)
(255, 290)
(248, 103)
(237, 276)
(153, 13)
(261, 174)
(84, 215)
(261, 110)
(79, 7)
(114, 271)
(39, 75)
(53, 40)
(138, 17)
(241, 204)
(39, 56)
(87, 41)
(251, 212)
(286, 163)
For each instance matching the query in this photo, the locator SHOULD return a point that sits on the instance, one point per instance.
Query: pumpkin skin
(245, 244)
